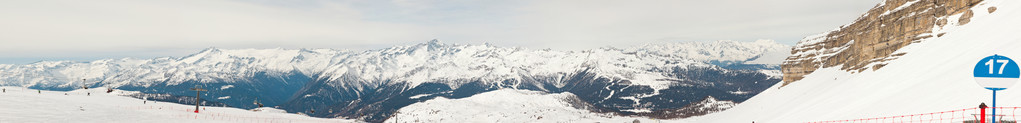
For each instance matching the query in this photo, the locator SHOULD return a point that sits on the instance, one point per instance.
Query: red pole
(983, 115)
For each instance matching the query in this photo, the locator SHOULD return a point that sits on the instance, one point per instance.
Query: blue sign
(996, 72)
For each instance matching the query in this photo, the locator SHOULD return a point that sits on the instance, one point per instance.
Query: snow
(226, 87)
(418, 96)
(269, 110)
(26, 105)
(772, 73)
(738, 92)
(504, 105)
(935, 75)
(453, 64)
(902, 6)
(712, 103)
(723, 50)
(774, 55)
(223, 97)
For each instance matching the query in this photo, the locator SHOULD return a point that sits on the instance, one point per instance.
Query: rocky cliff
(871, 40)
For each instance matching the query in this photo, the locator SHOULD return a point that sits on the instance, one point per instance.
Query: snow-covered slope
(935, 75)
(505, 105)
(510, 105)
(22, 105)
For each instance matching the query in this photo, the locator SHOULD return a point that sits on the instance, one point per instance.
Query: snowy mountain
(930, 74)
(373, 84)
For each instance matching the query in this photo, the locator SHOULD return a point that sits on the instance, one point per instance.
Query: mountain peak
(434, 44)
(857, 50)
(209, 49)
(434, 41)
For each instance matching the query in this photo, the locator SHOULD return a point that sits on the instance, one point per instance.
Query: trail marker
(197, 90)
(996, 73)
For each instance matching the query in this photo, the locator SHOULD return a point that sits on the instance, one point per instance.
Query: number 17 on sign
(996, 73)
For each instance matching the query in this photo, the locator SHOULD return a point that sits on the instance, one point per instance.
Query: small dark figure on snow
(257, 103)
(88, 94)
(5, 90)
(39, 91)
(313, 111)
(108, 90)
(65, 94)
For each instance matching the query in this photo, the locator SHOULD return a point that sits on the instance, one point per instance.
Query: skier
(5, 90)
(39, 91)
(88, 94)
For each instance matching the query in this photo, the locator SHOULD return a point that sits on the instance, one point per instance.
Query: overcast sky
(34, 30)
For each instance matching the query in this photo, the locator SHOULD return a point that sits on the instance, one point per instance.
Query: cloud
(142, 28)
(67, 26)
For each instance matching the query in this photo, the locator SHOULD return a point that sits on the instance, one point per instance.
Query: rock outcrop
(871, 40)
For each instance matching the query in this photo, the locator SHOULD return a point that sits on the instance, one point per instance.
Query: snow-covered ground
(935, 75)
(21, 105)
(505, 105)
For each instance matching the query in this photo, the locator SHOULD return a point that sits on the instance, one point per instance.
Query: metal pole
(982, 115)
(197, 90)
(994, 107)
(196, 100)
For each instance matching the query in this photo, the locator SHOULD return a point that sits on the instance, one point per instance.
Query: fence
(186, 113)
(968, 115)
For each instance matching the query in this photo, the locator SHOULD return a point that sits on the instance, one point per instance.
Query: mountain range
(654, 80)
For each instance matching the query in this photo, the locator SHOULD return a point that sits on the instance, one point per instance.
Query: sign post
(197, 90)
(996, 73)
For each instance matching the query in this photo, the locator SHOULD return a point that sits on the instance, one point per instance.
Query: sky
(35, 30)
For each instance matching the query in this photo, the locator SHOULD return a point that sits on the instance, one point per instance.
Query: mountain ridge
(372, 84)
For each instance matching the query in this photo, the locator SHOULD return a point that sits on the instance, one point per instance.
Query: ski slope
(505, 105)
(22, 105)
(935, 75)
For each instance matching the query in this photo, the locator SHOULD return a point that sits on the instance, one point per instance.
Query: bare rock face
(965, 18)
(872, 39)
